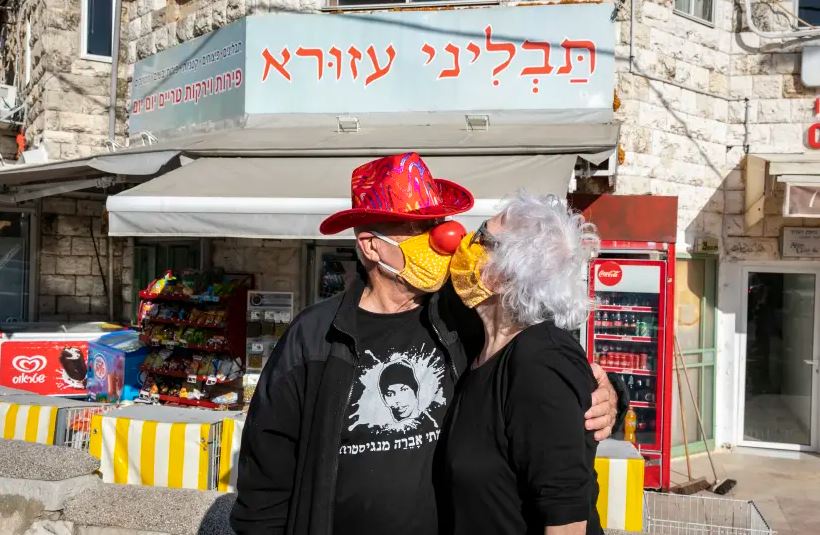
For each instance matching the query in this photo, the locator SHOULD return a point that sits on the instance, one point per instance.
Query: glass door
(780, 366)
(625, 335)
(695, 305)
(14, 266)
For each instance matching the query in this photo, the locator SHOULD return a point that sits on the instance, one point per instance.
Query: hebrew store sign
(554, 58)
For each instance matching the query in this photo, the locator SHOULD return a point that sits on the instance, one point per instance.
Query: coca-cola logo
(610, 273)
(29, 364)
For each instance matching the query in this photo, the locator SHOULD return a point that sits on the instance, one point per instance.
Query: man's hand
(601, 416)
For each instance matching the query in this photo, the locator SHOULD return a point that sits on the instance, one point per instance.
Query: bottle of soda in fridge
(630, 425)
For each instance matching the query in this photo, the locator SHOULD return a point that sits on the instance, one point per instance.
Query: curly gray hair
(540, 259)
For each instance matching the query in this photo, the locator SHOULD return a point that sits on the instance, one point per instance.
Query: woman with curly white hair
(515, 455)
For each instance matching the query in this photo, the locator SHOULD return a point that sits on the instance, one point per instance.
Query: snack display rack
(195, 328)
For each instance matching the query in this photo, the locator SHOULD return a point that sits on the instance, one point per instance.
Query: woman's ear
(489, 280)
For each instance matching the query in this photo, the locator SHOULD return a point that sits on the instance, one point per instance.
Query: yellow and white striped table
(620, 486)
(146, 452)
(32, 423)
(229, 453)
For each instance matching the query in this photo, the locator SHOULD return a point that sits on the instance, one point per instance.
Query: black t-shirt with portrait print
(391, 427)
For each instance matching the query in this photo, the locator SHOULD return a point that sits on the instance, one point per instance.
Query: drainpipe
(112, 129)
(746, 125)
(115, 63)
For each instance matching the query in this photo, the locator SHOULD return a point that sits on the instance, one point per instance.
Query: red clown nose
(445, 238)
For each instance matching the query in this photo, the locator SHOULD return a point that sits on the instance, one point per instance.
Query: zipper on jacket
(341, 420)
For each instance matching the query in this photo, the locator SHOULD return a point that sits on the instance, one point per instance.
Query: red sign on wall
(47, 368)
(813, 135)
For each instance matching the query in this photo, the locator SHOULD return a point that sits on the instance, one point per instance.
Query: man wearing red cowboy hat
(342, 427)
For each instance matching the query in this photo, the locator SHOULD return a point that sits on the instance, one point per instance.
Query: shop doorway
(15, 246)
(780, 366)
(153, 258)
(695, 304)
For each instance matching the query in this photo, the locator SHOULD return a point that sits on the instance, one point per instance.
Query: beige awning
(280, 138)
(20, 183)
(287, 197)
(800, 173)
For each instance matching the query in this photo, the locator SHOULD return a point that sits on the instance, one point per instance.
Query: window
(809, 11)
(695, 288)
(702, 10)
(97, 29)
(27, 58)
(14, 266)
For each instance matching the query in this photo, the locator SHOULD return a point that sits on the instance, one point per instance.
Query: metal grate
(673, 514)
(215, 448)
(74, 426)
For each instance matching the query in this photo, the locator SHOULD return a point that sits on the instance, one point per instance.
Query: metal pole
(111, 278)
(112, 134)
(115, 63)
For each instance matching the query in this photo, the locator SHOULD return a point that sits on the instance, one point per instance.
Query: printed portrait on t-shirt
(400, 390)
(400, 393)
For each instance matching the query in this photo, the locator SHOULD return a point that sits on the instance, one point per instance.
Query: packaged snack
(226, 399)
(191, 367)
(234, 371)
(204, 365)
(217, 341)
(158, 286)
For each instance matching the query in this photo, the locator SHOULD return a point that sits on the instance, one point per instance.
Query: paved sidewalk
(784, 485)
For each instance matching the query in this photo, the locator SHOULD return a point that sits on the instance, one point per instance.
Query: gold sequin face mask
(465, 271)
(424, 268)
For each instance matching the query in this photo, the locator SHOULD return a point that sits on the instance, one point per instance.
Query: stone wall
(275, 264)
(684, 106)
(70, 282)
(67, 96)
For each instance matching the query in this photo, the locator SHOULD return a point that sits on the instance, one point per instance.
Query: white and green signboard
(557, 59)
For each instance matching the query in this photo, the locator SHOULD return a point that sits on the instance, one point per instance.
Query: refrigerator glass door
(625, 335)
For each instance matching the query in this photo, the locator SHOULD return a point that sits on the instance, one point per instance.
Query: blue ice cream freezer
(114, 362)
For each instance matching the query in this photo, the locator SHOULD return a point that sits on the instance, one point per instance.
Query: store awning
(800, 173)
(287, 197)
(26, 182)
(429, 135)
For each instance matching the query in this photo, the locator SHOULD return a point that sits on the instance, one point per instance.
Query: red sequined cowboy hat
(398, 188)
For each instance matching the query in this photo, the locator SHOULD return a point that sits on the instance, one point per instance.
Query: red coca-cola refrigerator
(630, 331)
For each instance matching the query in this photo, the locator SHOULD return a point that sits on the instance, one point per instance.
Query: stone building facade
(67, 95)
(697, 99)
(66, 99)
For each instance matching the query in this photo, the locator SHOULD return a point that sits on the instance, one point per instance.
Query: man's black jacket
(289, 455)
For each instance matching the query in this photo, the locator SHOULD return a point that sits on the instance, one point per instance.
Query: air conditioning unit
(810, 73)
(8, 98)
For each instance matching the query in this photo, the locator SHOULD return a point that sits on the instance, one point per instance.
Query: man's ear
(366, 244)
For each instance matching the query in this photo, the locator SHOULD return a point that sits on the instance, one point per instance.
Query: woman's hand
(603, 413)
